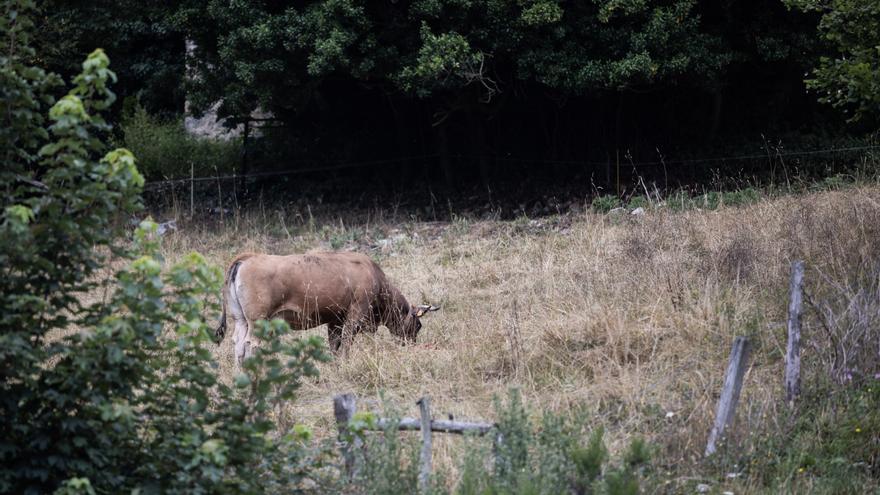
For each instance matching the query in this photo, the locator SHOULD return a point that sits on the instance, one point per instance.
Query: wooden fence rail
(438, 425)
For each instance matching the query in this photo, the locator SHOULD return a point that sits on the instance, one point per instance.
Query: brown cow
(347, 291)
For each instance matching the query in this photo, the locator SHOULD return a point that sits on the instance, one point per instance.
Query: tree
(850, 79)
(148, 53)
(118, 394)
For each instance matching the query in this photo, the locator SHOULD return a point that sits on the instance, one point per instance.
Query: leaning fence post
(793, 349)
(733, 379)
(425, 456)
(344, 407)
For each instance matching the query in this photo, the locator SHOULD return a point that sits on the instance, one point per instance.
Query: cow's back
(310, 283)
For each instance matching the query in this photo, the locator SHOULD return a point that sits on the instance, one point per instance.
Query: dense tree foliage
(488, 87)
(254, 50)
(147, 52)
(540, 80)
(851, 78)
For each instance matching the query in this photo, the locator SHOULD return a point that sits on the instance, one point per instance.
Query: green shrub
(512, 453)
(831, 446)
(475, 478)
(738, 197)
(165, 150)
(679, 201)
(712, 200)
(605, 203)
(834, 182)
(708, 201)
(130, 400)
(588, 461)
(638, 202)
(388, 464)
(552, 456)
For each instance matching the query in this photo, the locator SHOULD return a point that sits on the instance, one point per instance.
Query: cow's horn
(424, 308)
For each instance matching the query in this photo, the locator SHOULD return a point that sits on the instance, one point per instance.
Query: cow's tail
(231, 273)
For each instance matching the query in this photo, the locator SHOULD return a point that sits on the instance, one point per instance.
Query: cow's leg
(349, 329)
(334, 336)
(356, 320)
(242, 341)
(243, 325)
(252, 341)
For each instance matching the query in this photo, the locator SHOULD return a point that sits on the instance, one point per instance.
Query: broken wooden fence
(738, 362)
(345, 407)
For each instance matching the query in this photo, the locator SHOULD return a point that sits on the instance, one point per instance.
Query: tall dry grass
(632, 317)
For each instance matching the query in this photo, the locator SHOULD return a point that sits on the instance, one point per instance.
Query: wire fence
(159, 184)
(769, 155)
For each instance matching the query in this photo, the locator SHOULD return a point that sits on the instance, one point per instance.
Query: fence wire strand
(160, 184)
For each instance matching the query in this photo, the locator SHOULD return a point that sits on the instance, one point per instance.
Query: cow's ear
(424, 308)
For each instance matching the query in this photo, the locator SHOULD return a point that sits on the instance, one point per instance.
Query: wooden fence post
(192, 187)
(733, 379)
(497, 443)
(793, 349)
(425, 455)
(344, 408)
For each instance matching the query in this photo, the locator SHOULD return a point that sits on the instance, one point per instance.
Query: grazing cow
(347, 291)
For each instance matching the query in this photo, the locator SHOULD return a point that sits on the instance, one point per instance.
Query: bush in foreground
(552, 456)
(117, 394)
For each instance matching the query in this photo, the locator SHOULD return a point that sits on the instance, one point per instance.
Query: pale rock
(166, 227)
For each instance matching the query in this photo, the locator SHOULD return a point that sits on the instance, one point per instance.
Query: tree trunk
(478, 140)
(618, 122)
(442, 143)
(244, 169)
(402, 167)
(717, 103)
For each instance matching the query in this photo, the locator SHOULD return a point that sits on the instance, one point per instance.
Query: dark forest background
(471, 93)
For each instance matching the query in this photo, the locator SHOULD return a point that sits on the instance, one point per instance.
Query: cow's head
(409, 325)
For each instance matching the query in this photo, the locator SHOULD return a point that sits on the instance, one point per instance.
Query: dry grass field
(629, 316)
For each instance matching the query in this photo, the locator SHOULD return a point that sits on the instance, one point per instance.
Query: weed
(679, 201)
(638, 202)
(832, 445)
(708, 201)
(605, 203)
(740, 197)
(387, 463)
(836, 181)
(164, 150)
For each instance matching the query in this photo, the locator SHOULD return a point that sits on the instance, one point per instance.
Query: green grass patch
(165, 150)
